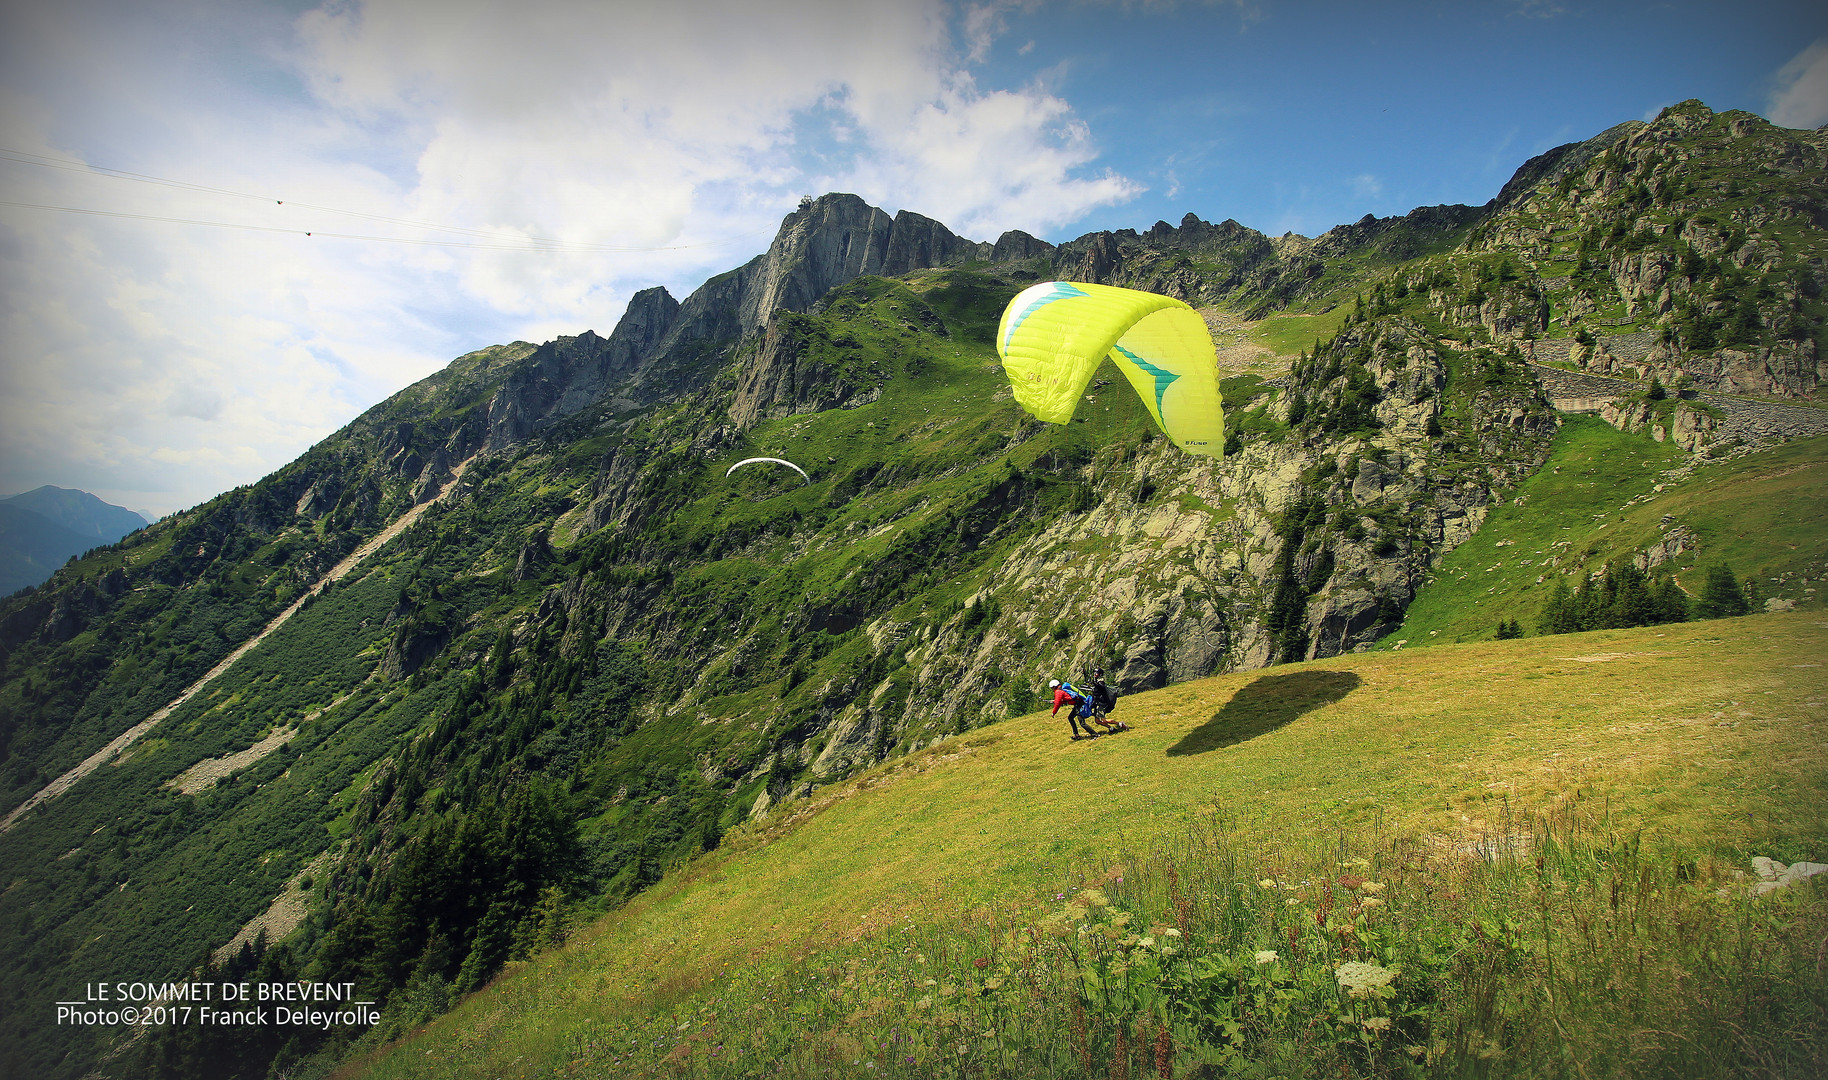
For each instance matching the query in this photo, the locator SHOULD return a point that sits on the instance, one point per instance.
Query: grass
(1596, 499)
(1286, 335)
(1638, 763)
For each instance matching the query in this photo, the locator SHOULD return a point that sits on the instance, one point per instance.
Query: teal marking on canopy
(1162, 378)
(1061, 291)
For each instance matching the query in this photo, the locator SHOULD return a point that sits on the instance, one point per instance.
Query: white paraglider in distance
(770, 460)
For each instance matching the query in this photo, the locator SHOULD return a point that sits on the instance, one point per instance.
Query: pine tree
(1631, 600)
(1590, 603)
(1558, 612)
(1669, 601)
(1722, 596)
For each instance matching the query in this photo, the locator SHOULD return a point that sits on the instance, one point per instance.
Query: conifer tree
(1631, 601)
(1558, 613)
(1722, 596)
(1669, 601)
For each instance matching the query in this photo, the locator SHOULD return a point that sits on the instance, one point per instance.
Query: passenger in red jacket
(1074, 707)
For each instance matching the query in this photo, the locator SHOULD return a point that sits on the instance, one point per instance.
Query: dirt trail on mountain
(131, 735)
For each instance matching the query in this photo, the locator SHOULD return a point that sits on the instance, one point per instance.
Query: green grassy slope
(1704, 738)
(903, 506)
(1604, 494)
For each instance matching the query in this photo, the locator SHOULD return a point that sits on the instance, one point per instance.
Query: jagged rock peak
(1016, 244)
(1551, 164)
(823, 244)
(834, 239)
(650, 315)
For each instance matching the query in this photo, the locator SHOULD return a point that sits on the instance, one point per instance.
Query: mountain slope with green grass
(1605, 495)
(922, 917)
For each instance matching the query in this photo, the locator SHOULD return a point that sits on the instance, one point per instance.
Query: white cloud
(160, 363)
(1799, 98)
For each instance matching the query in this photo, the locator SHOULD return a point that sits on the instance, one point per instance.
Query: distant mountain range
(41, 529)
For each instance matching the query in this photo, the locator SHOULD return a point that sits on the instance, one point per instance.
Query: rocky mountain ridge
(1702, 232)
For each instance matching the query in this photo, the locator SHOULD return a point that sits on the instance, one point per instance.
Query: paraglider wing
(771, 460)
(1054, 335)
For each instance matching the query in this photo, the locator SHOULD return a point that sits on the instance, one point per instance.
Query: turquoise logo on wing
(1162, 378)
(1061, 290)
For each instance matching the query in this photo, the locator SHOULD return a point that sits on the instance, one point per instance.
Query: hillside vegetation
(1604, 495)
(1243, 807)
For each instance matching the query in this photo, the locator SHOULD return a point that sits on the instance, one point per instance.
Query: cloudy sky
(473, 173)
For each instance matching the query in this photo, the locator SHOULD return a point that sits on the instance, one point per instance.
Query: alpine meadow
(1476, 714)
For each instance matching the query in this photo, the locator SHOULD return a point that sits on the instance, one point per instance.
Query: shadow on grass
(1264, 706)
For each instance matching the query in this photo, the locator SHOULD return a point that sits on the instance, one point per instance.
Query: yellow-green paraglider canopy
(1054, 335)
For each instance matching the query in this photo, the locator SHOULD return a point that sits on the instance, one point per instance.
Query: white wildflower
(1376, 1023)
(1361, 979)
(1266, 956)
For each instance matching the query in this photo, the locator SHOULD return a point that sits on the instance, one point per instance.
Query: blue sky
(519, 171)
(1303, 116)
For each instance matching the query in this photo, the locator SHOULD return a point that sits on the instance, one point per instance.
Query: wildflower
(1370, 902)
(1267, 883)
(1374, 886)
(1376, 1023)
(1147, 943)
(1171, 932)
(1093, 898)
(1266, 956)
(1361, 979)
(1293, 901)
(981, 963)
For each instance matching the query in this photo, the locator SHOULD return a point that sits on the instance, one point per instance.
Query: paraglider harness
(1087, 706)
(1090, 705)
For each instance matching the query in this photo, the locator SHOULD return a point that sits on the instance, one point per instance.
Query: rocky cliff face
(790, 373)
